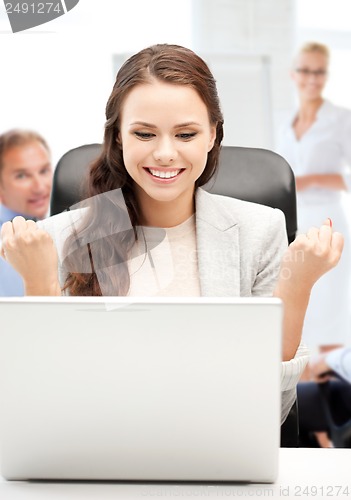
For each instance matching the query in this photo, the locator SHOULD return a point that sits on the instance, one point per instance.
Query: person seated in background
(163, 134)
(337, 361)
(25, 189)
(333, 367)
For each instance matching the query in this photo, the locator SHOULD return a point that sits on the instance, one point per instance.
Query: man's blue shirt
(11, 283)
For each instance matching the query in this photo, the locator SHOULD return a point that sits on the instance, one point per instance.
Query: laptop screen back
(140, 389)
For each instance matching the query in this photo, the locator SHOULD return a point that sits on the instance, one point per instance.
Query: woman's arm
(32, 253)
(328, 181)
(307, 258)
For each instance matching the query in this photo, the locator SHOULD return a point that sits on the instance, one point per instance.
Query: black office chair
(340, 434)
(260, 176)
(250, 174)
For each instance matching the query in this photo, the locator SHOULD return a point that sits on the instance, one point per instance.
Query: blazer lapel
(217, 234)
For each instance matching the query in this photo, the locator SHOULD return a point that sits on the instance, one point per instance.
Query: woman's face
(165, 134)
(310, 75)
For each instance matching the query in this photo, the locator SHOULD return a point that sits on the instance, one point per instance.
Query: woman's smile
(165, 175)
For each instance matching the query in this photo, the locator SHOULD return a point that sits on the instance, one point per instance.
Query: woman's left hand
(307, 258)
(311, 255)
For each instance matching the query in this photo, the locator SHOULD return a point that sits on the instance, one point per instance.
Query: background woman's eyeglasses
(318, 73)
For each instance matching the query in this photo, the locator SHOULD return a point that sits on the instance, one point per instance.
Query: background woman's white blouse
(325, 148)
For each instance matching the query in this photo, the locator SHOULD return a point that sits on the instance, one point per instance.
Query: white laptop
(140, 389)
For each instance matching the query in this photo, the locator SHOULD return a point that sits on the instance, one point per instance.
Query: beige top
(163, 262)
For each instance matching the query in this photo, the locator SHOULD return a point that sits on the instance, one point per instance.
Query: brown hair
(171, 64)
(17, 137)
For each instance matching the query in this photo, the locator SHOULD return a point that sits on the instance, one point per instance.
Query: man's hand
(320, 371)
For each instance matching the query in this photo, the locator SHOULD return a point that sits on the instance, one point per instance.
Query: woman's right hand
(32, 253)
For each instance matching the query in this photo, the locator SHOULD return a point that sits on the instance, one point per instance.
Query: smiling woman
(147, 227)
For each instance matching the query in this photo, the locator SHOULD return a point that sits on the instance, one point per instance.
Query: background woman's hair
(317, 47)
(168, 63)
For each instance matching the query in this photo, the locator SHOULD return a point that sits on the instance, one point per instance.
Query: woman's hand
(310, 256)
(325, 181)
(307, 258)
(32, 253)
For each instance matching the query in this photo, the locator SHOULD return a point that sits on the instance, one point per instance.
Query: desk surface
(305, 473)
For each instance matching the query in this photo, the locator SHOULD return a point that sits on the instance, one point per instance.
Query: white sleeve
(292, 369)
(290, 374)
(339, 361)
(346, 147)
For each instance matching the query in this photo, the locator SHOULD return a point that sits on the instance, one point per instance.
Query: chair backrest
(70, 177)
(260, 176)
(340, 434)
(250, 174)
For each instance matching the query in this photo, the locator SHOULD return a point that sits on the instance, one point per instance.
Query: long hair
(106, 272)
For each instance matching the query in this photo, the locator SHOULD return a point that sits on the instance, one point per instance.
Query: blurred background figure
(317, 143)
(25, 189)
(325, 403)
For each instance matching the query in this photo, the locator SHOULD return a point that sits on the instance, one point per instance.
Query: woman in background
(317, 143)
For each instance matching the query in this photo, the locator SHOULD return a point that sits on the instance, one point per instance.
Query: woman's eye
(144, 135)
(187, 136)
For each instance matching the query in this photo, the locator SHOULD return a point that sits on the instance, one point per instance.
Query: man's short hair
(17, 137)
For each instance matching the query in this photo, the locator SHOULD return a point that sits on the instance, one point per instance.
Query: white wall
(56, 78)
(52, 86)
(330, 26)
(253, 27)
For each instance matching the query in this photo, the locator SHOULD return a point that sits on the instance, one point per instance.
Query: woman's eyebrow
(144, 124)
(150, 125)
(187, 124)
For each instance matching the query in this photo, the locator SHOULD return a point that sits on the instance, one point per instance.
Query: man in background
(25, 188)
(325, 407)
